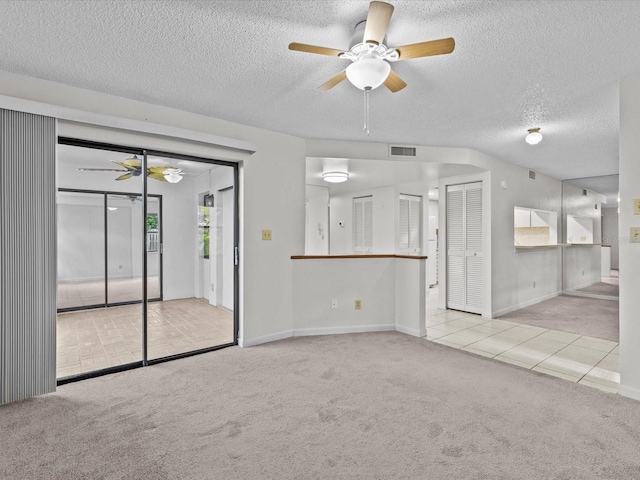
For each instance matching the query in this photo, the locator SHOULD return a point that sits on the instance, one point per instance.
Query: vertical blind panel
(404, 224)
(358, 225)
(363, 224)
(368, 225)
(473, 205)
(473, 287)
(27, 255)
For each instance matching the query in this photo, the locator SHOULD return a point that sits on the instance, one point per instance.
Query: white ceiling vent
(532, 175)
(399, 151)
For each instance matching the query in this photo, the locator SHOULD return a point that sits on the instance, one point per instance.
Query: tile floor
(578, 358)
(81, 294)
(99, 338)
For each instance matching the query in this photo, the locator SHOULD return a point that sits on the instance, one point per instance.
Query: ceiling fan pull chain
(367, 90)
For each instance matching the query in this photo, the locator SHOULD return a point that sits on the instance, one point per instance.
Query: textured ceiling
(517, 65)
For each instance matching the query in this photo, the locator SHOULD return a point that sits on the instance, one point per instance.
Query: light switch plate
(634, 235)
(636, 206)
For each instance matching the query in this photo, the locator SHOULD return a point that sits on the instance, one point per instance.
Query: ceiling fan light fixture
(534, 136)
(368, 73)
(335, 177)
(172, 175)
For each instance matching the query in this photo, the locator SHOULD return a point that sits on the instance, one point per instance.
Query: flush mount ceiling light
(534, 136)
(335, 177)
(371, 56)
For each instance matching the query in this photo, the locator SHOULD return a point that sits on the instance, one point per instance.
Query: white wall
(391, 291)
(341, 209)
(279, 160)
(629, 252)
(610, 234)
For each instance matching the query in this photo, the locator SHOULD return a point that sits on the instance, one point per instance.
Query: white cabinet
(534, 228)
(522, 217)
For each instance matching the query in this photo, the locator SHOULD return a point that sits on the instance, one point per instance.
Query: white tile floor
(578, 358)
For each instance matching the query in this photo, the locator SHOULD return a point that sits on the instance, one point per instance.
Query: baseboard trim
(409, 331)
(272, 337)
(303, 332)
(629, 392)
(528, 303)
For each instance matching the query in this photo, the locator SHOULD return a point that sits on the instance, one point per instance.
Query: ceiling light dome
(368, 73)
(335, 177)
(534, 137)
(172, 175)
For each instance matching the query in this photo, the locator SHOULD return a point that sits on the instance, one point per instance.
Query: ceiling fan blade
(101, 170)
(128, 167)
(377, 22)
(126, 176)
(394, 82)
(159, 169)
(157, 176)
(303, 47)
(426, 49)
(332, 82)
(133, 162)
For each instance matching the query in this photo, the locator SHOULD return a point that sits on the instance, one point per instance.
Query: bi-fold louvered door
(464, 247)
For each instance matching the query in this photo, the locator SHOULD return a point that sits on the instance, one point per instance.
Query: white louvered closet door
(464, 247)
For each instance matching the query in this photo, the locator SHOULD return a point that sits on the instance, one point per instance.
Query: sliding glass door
(198, 250)
(147, 263)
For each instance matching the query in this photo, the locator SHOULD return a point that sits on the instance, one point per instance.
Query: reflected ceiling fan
(370, 57)
(133, 168)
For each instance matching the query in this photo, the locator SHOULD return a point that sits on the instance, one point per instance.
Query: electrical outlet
(266, 234)
(534, 284)
(358, 305)
(636, 206)
(583, 273)
(119, 267)
(634, 235)
(212, 286)
(334, 303)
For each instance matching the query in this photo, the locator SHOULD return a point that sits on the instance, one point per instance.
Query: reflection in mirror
(590, 228)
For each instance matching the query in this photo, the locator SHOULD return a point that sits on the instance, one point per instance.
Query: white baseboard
(272, 337)
(303, 332)
(528, 303)
(409, 331)
(629, 392)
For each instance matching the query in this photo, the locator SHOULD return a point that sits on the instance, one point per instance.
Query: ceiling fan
(133, 168)
(370, 56)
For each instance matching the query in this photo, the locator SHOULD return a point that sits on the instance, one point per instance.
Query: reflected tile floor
(578, 358)
(103, 337)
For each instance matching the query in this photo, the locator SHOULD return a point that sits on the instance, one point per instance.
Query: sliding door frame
(236, 239)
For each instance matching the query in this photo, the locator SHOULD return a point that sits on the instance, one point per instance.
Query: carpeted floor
(603, 288)
(584, 316)
(356, 406)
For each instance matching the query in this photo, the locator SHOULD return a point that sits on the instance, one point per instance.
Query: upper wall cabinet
(534, 228)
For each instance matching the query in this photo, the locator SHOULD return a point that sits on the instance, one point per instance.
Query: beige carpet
(582, 315)
(358, 406)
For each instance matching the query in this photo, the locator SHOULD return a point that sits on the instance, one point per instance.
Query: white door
(464, 247)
